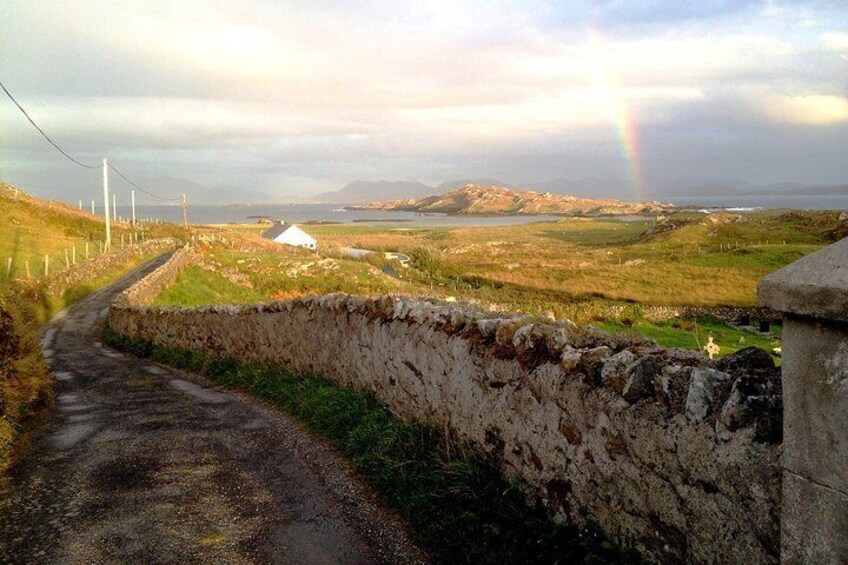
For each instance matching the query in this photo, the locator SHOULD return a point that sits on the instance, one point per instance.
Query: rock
(640, 379)
(746, 360)
(703, 390)
(674, 385)
(522, 336)
(570, 358)
(687, 357)
(736, 411)
(592, 361)
(614, 371)
(401, 309)
(755, 400)
(562, 333)
(488, 327)
(459, 317)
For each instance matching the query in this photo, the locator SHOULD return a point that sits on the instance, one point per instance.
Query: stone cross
(711, 348)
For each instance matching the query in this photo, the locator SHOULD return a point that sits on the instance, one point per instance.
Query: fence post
(46, 265)
(812, 294)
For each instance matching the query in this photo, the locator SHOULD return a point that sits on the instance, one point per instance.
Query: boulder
(640, 379)
(592, 361)
(704, 390)
(570, 358)
(614, 370)
(747, 360)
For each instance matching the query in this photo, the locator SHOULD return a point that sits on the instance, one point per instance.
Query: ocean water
(334, 213)
(765, 202)
(295, 213)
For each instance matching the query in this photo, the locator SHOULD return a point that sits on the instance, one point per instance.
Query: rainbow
(618, 111)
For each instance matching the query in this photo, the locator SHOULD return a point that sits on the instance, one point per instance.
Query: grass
(234, 276)
(458, 506)
(599, 271)
(31, 228)
(195, 286)
(706, 260)
(693, 334)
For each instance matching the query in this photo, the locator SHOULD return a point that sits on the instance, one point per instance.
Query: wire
(155, 196)
(41, 131)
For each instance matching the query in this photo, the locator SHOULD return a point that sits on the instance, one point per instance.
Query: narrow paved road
(143, 464)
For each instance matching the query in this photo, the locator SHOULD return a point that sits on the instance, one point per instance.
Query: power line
(155, 196)
(41, 131)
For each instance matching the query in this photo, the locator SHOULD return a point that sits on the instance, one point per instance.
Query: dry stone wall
(661, 448)
(90, 269)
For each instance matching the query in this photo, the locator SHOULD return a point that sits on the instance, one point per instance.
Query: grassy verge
(458, 506)
(25, 381)
(693, 334)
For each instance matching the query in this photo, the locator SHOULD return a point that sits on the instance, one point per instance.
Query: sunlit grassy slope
(32, 228)
(230, 276)
(705, 261)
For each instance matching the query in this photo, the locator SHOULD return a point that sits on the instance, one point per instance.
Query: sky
(295, 98)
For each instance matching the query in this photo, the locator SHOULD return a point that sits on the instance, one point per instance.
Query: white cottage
(290, 234)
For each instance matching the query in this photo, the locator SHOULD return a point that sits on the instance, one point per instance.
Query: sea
(300, 213)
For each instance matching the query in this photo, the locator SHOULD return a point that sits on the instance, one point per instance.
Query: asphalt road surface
(140, 463)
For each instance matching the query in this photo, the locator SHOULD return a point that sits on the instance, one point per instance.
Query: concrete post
(812, 293)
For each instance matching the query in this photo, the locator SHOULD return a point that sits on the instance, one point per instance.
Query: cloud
(328, 91)
(814, 109)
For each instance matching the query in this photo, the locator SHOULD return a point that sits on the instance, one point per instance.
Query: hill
(361, 192)
(497, 200)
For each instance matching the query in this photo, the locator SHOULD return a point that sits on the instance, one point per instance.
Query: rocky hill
(497, 200)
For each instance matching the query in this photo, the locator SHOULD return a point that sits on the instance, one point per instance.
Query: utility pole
(92, 207)
(114, 207)
(106, 202)
(185, 217)
(132, 198)
(80, 205)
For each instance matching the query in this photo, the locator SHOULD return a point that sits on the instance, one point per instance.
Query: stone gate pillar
(812, 293)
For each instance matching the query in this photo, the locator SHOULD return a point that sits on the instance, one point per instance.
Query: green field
(604, 272)
(31, 228)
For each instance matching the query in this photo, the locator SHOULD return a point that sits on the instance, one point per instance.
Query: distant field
(706, 261)
(595, 271)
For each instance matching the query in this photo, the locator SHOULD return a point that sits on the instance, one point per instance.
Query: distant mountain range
(475, 200)
(364, 192)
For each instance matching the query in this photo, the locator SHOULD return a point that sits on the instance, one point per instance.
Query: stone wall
(660, 448)
(92, 268)
(730, 314)
(148, 288)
